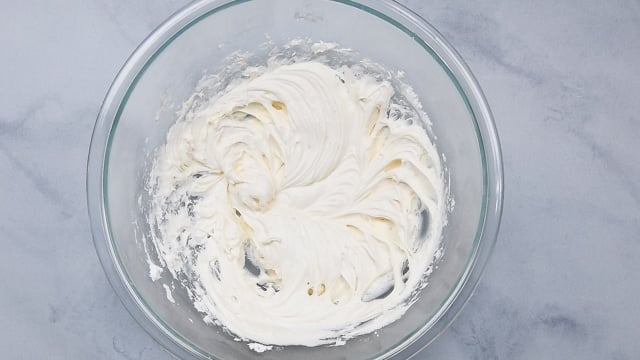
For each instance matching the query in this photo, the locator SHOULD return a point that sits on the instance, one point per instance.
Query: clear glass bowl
(165, 69)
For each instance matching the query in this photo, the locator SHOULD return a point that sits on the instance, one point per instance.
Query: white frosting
(301, 171)
(260, 348)
(168, 293)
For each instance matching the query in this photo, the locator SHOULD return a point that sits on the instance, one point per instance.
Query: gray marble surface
(563, 81)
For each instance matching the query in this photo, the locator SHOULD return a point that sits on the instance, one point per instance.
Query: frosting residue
(301, 205)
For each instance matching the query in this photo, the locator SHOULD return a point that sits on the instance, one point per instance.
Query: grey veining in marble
(563, 81)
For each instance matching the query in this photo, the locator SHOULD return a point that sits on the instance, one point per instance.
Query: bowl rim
(388, 10)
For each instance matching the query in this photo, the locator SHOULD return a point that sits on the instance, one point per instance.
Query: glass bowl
(165, 68)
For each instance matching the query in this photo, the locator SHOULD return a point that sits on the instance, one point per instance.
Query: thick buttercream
(298, 205)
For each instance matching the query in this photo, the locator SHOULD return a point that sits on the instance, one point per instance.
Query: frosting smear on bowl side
(301, 205)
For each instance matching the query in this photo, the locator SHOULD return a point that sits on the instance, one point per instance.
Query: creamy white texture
(294, 200)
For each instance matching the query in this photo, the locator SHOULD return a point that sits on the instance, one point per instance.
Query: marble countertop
(563, 81)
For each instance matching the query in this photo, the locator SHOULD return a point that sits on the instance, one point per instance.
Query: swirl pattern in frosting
(301, 209)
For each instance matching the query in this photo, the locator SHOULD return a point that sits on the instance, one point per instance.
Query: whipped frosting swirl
(301, 209)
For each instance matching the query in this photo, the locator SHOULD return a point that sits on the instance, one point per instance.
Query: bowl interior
(197, 41)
